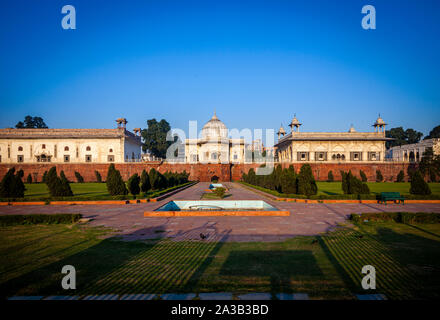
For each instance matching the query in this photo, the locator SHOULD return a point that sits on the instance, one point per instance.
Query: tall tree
(155, 137)
(402, 137)
(31, 123)
(430, 164)
(434, 133)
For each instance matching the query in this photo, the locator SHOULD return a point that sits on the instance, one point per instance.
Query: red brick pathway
(305, 219)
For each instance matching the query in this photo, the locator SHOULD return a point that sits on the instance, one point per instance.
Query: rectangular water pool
(193, 208)
(215, 205)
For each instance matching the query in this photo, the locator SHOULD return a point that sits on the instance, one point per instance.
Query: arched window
(43, 146)
(66, 148)
(110, 150)
(20, 148)
(88, 148)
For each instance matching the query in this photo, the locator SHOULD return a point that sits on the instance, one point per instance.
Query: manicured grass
(213, 196)
(333, 188)
(327, 266)
(39, 190)
(86, 191)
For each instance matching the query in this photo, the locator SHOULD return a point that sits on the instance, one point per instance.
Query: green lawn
(406, 258)
(332, 188)
(85, 191)
(38, 190)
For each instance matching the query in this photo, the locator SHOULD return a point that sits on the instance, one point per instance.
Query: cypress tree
(115, 184)
(363, 176)
(356, 186)
(133, 184)
(344, 182)
(419, 185)
(79, 177)
(379, 177)
(306, 181)
(98, 176)
(65, 186)
(330, 177)
(6, 184)
(12, 185)
(29, 178)
(44, 177)
(288, 181)
(145, 181)
(400, 176)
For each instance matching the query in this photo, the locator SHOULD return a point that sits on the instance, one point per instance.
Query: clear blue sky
(255, 62)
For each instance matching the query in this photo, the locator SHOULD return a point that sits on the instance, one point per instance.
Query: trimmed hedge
(19, 219)
(399, 217)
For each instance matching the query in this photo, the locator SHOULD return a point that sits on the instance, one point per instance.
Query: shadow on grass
(114, 266)
(280, 266)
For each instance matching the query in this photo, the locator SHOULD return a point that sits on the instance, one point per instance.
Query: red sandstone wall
(204, 172)
(320, 170)
(196, 171)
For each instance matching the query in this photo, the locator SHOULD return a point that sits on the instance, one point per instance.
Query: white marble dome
(214, 128)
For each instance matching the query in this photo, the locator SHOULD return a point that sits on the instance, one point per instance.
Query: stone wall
(203, 172)
(196, 171)
(320, 170)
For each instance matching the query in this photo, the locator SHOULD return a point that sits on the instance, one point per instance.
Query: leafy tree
(79, 177)
(434, 133)
(413, 136)
(363, 176)
(133, 184)
(154, 137)
(98, 176)
(29, 178)
(402, 137)
(379, 176)
(306, 181)
(145, 181)
(31, 123)
(330, 177)
(430, 164)
(400, 176)
(419, 185)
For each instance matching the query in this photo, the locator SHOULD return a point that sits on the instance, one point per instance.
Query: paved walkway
(305, 219)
